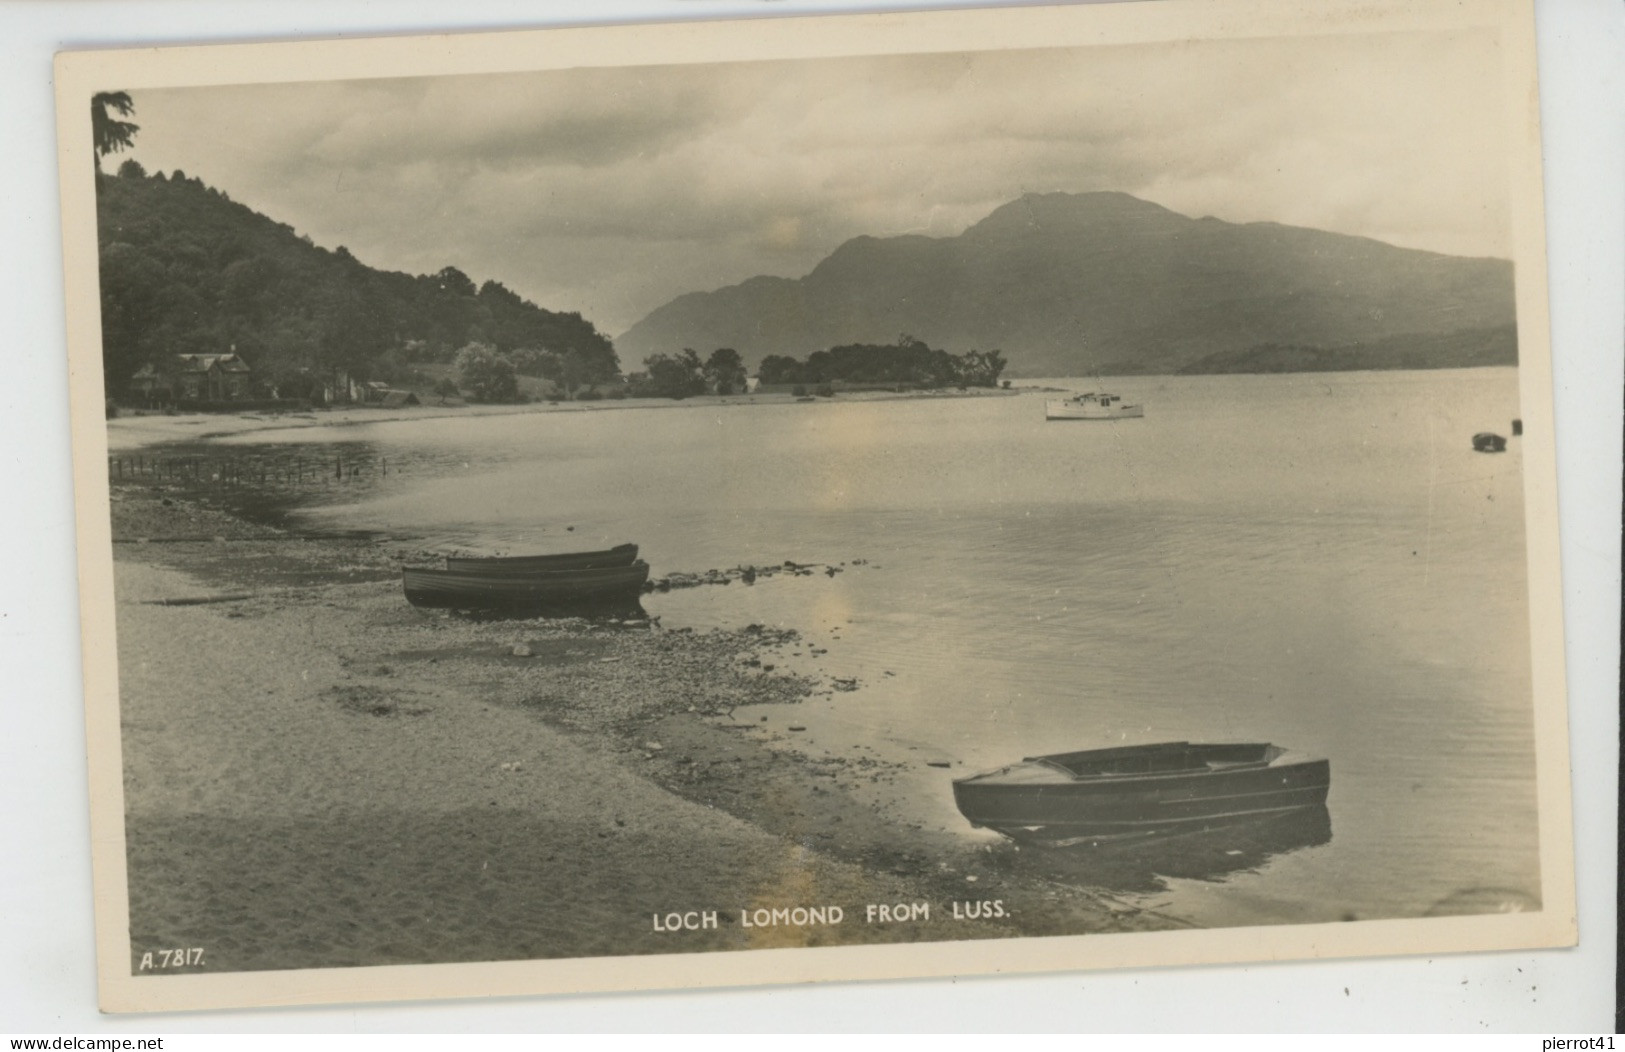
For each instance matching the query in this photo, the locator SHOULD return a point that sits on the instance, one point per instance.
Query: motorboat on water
(1091, 405)
(1140, 790)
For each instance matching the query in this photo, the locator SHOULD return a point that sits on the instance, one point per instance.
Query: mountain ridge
(1067, 283)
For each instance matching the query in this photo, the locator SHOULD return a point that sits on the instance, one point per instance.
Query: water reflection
(1211, 853)
(269, 484)
(1023, 584)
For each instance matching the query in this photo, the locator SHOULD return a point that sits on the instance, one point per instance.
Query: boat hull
(620, 555)
(1068, 411)
(559, 592)
(1134, 804)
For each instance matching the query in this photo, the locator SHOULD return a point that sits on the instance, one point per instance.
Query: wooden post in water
(338, 469)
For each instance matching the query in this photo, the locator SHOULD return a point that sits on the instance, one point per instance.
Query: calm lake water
(1318, 560)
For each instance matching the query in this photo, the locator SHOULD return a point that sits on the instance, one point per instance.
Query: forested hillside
(184, 269)
(1455, 350)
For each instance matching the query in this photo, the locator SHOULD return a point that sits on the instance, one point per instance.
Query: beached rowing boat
(561, 592)
(1140, 789)
(620, 555)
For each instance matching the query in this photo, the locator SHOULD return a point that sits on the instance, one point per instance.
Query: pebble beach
(317, 774)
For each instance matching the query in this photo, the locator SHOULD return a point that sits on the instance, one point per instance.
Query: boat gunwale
(1059, 833)
(1160, 821)
(576, 589)
(633, 568)
(1284, 758)
(518, 563)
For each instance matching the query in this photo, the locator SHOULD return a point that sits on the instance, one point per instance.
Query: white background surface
(47, 965)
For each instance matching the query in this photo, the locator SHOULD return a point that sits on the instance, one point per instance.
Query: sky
(611, 191)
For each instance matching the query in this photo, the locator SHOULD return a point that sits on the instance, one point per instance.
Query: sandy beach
(318, 774)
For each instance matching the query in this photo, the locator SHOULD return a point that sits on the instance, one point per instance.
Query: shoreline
(354, 781)
(138, 430)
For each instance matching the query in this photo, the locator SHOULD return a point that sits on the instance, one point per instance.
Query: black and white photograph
(815, 498)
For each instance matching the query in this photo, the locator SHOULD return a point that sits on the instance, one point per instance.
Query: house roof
(202, 363)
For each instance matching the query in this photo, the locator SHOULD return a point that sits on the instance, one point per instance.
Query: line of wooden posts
(243, 471)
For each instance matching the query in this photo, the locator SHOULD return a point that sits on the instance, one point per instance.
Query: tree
(132, 293)
(725, 371)
(593, 362)
(108, 134)
(527, 361)
(486, 374)
(355, 329)
(909, 361)
(131, 169)
(675, 376)
(576, 370)
(779, 369)
(977, 369)
(455, 282)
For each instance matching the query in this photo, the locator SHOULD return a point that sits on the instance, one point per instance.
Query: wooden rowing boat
(558, 592)
(1139, 789)
(620, 555)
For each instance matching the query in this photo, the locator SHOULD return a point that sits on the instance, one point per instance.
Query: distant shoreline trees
(909, 361)
(670, 376)
(685, 374)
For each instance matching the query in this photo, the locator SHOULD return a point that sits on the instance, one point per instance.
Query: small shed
(397, 399)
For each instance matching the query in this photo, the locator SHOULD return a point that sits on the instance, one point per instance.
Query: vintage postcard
(815, 498)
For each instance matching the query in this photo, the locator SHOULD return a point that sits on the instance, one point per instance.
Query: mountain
(185, 269)
(1067, 284)
(1462, 349)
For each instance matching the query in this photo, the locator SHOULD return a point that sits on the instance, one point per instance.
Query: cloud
(609, 191)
